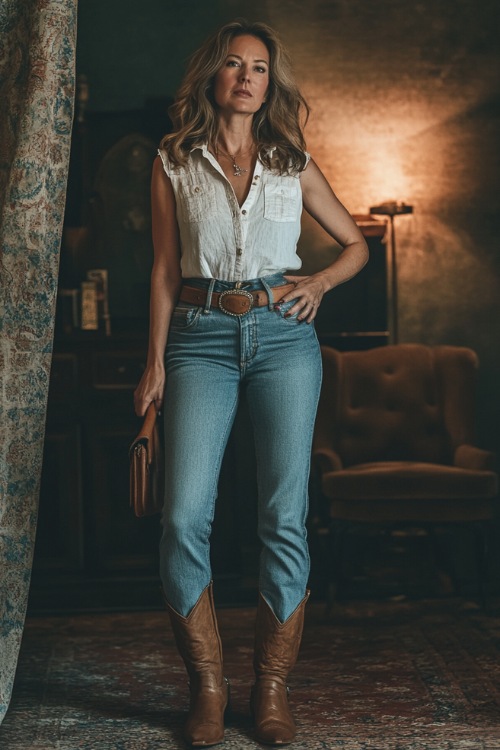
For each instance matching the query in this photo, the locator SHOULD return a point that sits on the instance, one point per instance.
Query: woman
(227, 194)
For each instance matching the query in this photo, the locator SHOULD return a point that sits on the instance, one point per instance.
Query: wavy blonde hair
(276, 125)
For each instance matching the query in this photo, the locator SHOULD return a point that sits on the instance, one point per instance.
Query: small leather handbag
(147, 466)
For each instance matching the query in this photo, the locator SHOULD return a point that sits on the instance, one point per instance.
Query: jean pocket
(184, 316)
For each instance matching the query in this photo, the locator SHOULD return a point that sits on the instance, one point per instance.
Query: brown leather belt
(235, 301)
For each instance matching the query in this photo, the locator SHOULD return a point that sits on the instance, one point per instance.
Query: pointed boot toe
(274, 724)
(205, 724)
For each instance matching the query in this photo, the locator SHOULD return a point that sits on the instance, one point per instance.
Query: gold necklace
(237, 170)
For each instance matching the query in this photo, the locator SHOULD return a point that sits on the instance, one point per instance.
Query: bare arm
(165, 287)
(323, 205)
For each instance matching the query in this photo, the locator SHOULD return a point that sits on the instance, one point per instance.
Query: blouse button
(244, 212)
(197, 189)
(239, 251)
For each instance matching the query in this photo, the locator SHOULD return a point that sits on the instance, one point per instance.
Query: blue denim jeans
(213, 359)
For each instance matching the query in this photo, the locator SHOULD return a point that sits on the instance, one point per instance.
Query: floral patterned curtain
(37, 57)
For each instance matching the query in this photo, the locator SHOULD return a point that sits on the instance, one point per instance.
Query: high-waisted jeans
(211, 360)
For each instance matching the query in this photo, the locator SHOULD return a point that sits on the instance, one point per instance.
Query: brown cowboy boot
(276, 650)
(197, 638)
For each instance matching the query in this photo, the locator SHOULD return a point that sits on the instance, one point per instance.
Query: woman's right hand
(151, 388)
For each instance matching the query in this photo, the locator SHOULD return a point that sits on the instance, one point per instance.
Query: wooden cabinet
(89, 544)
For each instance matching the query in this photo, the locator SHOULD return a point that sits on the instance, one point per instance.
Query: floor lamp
(392, 209)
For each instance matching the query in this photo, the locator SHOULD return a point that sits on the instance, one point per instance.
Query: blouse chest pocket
(197, 202)
(282, 202)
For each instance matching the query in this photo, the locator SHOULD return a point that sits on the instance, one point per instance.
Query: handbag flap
(139, 480)
(148, 436)
(147, 467)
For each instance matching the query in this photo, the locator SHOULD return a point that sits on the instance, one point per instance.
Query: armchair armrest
(476, 459)
(326, 459)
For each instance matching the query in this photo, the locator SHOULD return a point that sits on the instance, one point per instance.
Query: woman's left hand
(308, 292)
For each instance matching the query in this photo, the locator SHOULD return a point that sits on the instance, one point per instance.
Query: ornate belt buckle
(246, 303)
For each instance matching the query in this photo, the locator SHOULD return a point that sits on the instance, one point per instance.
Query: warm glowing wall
(405, 106)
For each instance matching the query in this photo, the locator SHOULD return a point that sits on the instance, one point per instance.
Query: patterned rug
(381, 676)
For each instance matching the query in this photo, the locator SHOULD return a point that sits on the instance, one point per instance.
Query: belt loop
(206, 309)
(269, 293)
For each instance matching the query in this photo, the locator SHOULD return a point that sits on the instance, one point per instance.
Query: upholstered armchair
(393, 443)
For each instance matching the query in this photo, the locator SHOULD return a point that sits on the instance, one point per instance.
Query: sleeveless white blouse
(221, 240)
